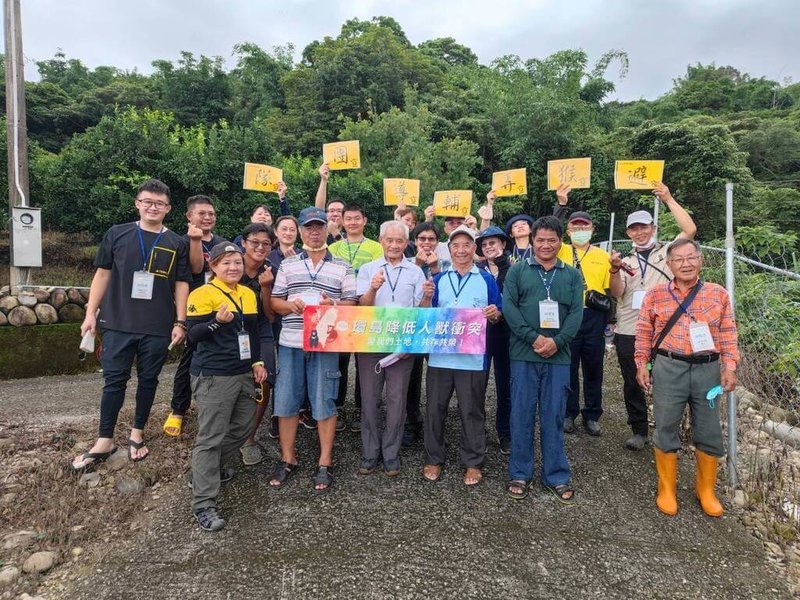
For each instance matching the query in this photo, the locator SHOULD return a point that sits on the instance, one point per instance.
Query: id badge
(142, 288)
(244, 346)
(637, 299)
(700, 337)
(207, 275)
(548, 314)
(310, 298)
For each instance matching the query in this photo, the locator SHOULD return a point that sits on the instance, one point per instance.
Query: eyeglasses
(679, 260)
(257, 244)
(159, 204)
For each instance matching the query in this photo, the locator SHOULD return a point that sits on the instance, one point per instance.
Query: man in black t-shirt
(202, 218)
(140, 287)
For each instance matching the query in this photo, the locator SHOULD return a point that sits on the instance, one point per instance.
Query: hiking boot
(274, 432)
(505, 446)
(569, 425)
(209, 519)
(355, 424)
(593, 428)
(636, 442)
(306, 420)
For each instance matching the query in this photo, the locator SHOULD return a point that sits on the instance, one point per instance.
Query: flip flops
(517, 489)
(563, 493)
(95, 459)
(133, 445)
(173, 425)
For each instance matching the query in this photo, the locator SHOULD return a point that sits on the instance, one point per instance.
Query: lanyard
(461, 285)
(145, 254)
(680, 304)
(238, 306)
(313, 275)
(353, 255)
(642, 265)
(547, 284)
(393, 286)
(521, 255)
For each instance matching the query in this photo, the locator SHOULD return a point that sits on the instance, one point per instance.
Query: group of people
(237, 306)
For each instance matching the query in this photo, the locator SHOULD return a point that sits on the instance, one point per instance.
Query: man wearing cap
(686, 334)
(588, 346)
(356, 250)
(451, 223)
(644, 267)
(463, 285)
(312, 277)
(491, 244)
(390, 281)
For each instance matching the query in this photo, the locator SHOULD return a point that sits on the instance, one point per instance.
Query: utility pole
(16, 129)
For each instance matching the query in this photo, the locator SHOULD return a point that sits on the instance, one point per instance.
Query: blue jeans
(538, 387)
(119, 351)
(298, 370)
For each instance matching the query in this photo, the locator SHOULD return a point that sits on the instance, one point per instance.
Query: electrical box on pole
(27, 235)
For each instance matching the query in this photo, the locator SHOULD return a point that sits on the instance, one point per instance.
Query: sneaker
(251, 454)
(505, 446)
(355, 424)
(593, 428)
(273, 428)
(209, 519)
(410, 435)
(341, 419)
(569, 425)
(636, 442)
(306, 420)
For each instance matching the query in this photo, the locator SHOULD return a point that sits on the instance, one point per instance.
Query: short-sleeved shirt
(201, 278)
(297, 275)
(402, 285)
(476, 289)
(121, 253)
(595, 265)
(357, 254)
(443, 252)
(264, 326)
(645, 277)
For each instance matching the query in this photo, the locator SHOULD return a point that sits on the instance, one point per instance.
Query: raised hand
(224, 315)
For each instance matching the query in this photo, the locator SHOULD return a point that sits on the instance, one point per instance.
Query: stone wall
(42, 306)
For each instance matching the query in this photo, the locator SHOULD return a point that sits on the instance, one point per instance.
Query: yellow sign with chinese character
(261, 178)
(510, 183)
(638, 174)
(575, 172)
(401, 191)
(452, 203)
(342, 155)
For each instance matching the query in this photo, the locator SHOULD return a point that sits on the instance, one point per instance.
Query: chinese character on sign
(340, 155)
(400, 192)
(409, 327)
(474, 329)
(458, 327)
(442, 327)
(638, 175)
(451, 202)
(376, 326)
(425, 328)
(566, 173)
(392, 327)
(359, 326)
(262, 177)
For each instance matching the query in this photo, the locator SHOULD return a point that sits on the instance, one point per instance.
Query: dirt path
(379, 538)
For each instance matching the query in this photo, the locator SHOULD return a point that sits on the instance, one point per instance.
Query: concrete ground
(376, 537)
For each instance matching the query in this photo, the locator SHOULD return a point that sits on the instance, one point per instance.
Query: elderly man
(463, 285)
(686, 334)
(311, 277)
(389, 281)
(543, 306)
(631, 277)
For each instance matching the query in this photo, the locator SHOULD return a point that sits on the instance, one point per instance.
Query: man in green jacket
(543, 306)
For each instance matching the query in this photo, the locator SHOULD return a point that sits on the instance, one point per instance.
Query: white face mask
(647, 245)
(581, 238)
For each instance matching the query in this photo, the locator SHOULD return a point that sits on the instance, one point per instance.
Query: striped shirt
(298, 275)
(711, 305)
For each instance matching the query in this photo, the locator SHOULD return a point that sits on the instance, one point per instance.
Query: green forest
(429, 111)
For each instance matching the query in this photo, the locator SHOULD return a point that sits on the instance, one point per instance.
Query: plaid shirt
(711, 305)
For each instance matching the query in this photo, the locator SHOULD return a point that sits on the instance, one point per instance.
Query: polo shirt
(595, 265)
(356, 254)
(523, 289)
(645, 277)
(297, 275)
(402, 285)
(476, 289)
(443, 252)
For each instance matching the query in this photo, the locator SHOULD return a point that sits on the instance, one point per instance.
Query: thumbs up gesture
(377, 280)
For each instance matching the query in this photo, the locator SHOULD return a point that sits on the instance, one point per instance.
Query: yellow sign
(510, 183)
(261, 178)
(452, 203)
(342, 155)
(401, 191)
(638, 174)
(575, 172)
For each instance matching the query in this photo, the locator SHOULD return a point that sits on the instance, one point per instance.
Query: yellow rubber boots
(667, 468)
(705, 480)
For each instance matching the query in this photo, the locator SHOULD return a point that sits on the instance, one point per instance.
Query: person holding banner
(314, 276)
(686, 353)
(389, 281)
(588, 347)
(463, 286)
(543, 306)
(357, 250)
(492, 243)
(223, 325)
(631, 277)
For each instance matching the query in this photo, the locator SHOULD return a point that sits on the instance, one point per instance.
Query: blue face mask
(580, 238)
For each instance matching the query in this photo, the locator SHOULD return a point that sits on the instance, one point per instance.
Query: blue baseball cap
(493, 231)
(311, 214)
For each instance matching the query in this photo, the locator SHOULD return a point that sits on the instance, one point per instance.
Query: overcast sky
(661, 37)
